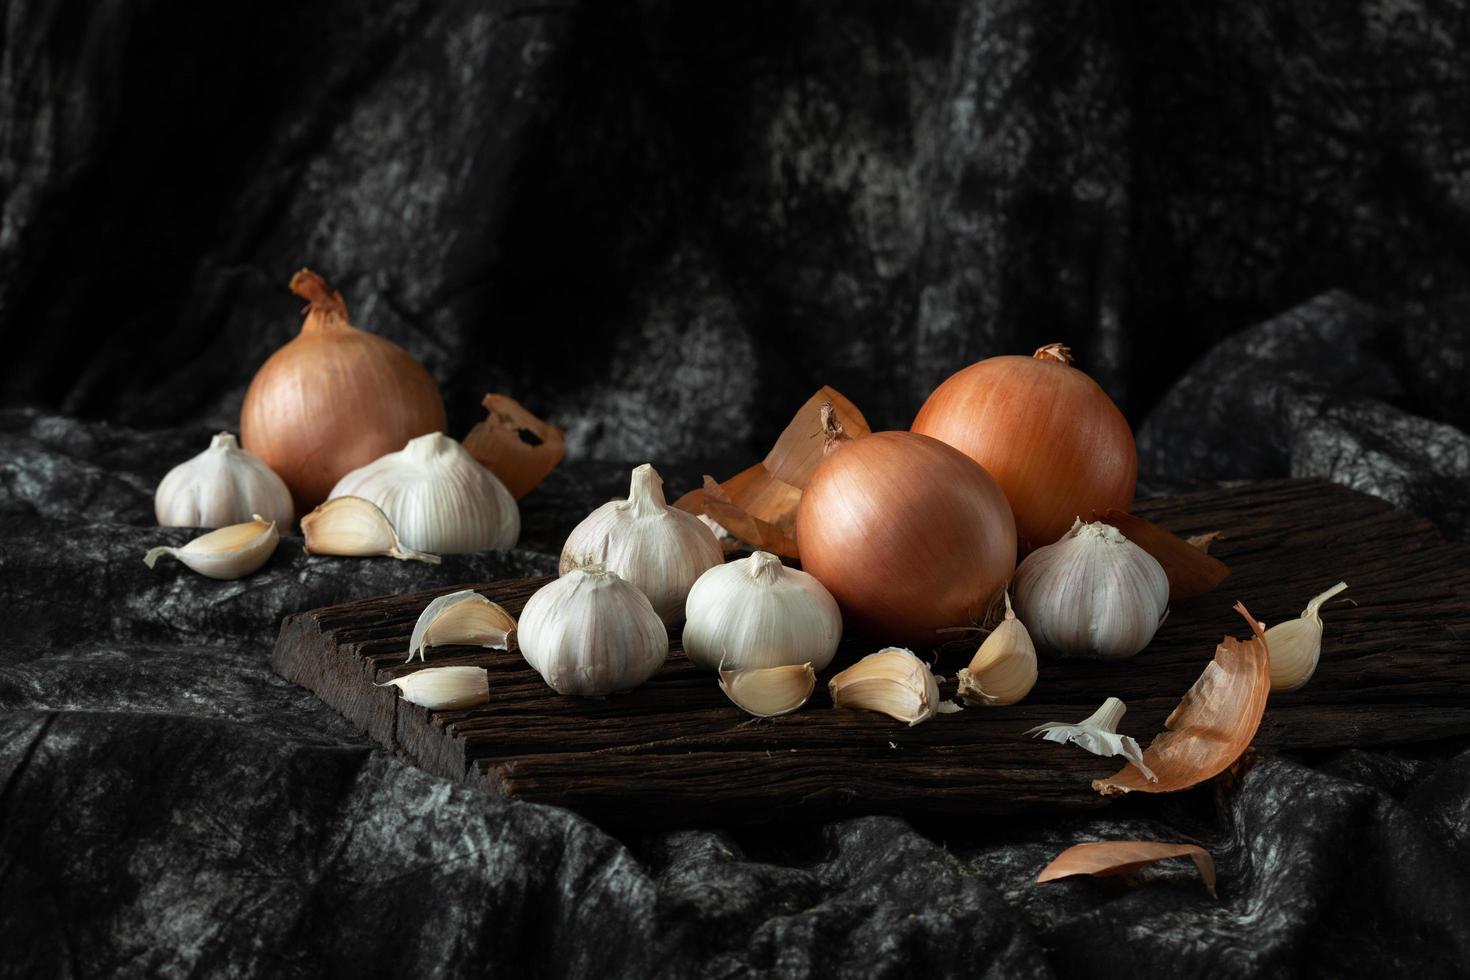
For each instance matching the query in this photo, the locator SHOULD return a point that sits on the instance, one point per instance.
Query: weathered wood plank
(1395, 668)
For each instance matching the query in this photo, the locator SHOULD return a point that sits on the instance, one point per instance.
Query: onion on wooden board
(334, 398)
(1047, 433)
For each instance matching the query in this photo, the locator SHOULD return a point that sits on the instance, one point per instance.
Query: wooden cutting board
(1395, 668)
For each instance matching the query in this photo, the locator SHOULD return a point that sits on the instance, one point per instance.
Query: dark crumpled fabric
(663, 225)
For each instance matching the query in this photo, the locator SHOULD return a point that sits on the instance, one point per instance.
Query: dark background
(663, 225)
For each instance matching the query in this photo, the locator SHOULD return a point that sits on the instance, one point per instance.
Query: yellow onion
(1047, 433)
(334, 398)
(909, 535)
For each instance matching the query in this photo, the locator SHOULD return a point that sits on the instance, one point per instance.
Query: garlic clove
(352, 527)
(1094, 593)
(228, 553)
(660, 550)
(221, 486)
(444, 688)
(463, 618)
(769, 691)
(1098, 734)
(892, 681)
(1003, 670)
(756, 612)
(1296, 645)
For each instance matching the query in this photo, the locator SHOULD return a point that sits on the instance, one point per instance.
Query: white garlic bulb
(1092, 594)
(221, 486)
(756, 612)
(590, 633)
(658, 548)
(438, 497)
(1295, 645)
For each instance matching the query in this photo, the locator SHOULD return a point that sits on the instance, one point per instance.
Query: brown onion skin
(333, 399)
(909, 535)
(1048, 434)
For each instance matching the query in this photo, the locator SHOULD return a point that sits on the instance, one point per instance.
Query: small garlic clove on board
(462, 618)
(659, 549)
(769, 691)
(351, 527)
(228, 553)
(1003, 670)
(892, 681)
(1094, 593)
(444, 688)
(756, 612)
(590, 633)
(221, 486)
(1295, 645)
(1098, 734)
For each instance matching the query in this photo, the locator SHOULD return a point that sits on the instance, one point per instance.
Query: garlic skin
(1003, 670)
(221, 486)
(350, 527)
(661, 550)
(1098, 734)
(756, 612)
(767, 692)
(463, 618)
(1092, 594)
(444, 688)
(590, 634)
(228, 553)
(437, 497)
(893, 682)
(1295, 645)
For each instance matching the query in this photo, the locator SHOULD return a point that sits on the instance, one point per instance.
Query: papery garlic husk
(463, 618)
(769, 691)
(1098, 734)
(351, 527)
(660, 550)
(444, 688)
(221, 486)
(1003, 670)
(756, 612)
(228, 553)
(1092, 594)
(590, 633)
(438, 497)
(892, 681)
(1296, 644)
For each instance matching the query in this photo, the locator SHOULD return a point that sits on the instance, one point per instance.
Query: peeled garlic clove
(229, 553)
(437, 497)
(464, 618)
(444, 688)
(660, 550)
(351, 527)
(590, 633)
(222, 485)
(769, 691)
(1003, 670)
(892, 681)
(1296, 644)
(515, 445)
(756, 612)
(1098, 734)
(1092, 594)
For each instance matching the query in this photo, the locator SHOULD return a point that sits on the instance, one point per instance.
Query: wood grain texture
(1395, 668)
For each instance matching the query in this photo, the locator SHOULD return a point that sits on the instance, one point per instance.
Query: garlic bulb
(590, 633)
(222, 485)
(351, 527)
(1003, 670)
(766, 692)
(438, 498)
(444, 688)
(228, 553)
(660, 550)
(892, 681)
(1295, 645)
(756, 612)
(463, 618)
(1092, 594)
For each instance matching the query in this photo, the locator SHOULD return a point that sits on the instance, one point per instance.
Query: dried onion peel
(1106, 858)
(515, 445)
(1213, 724)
